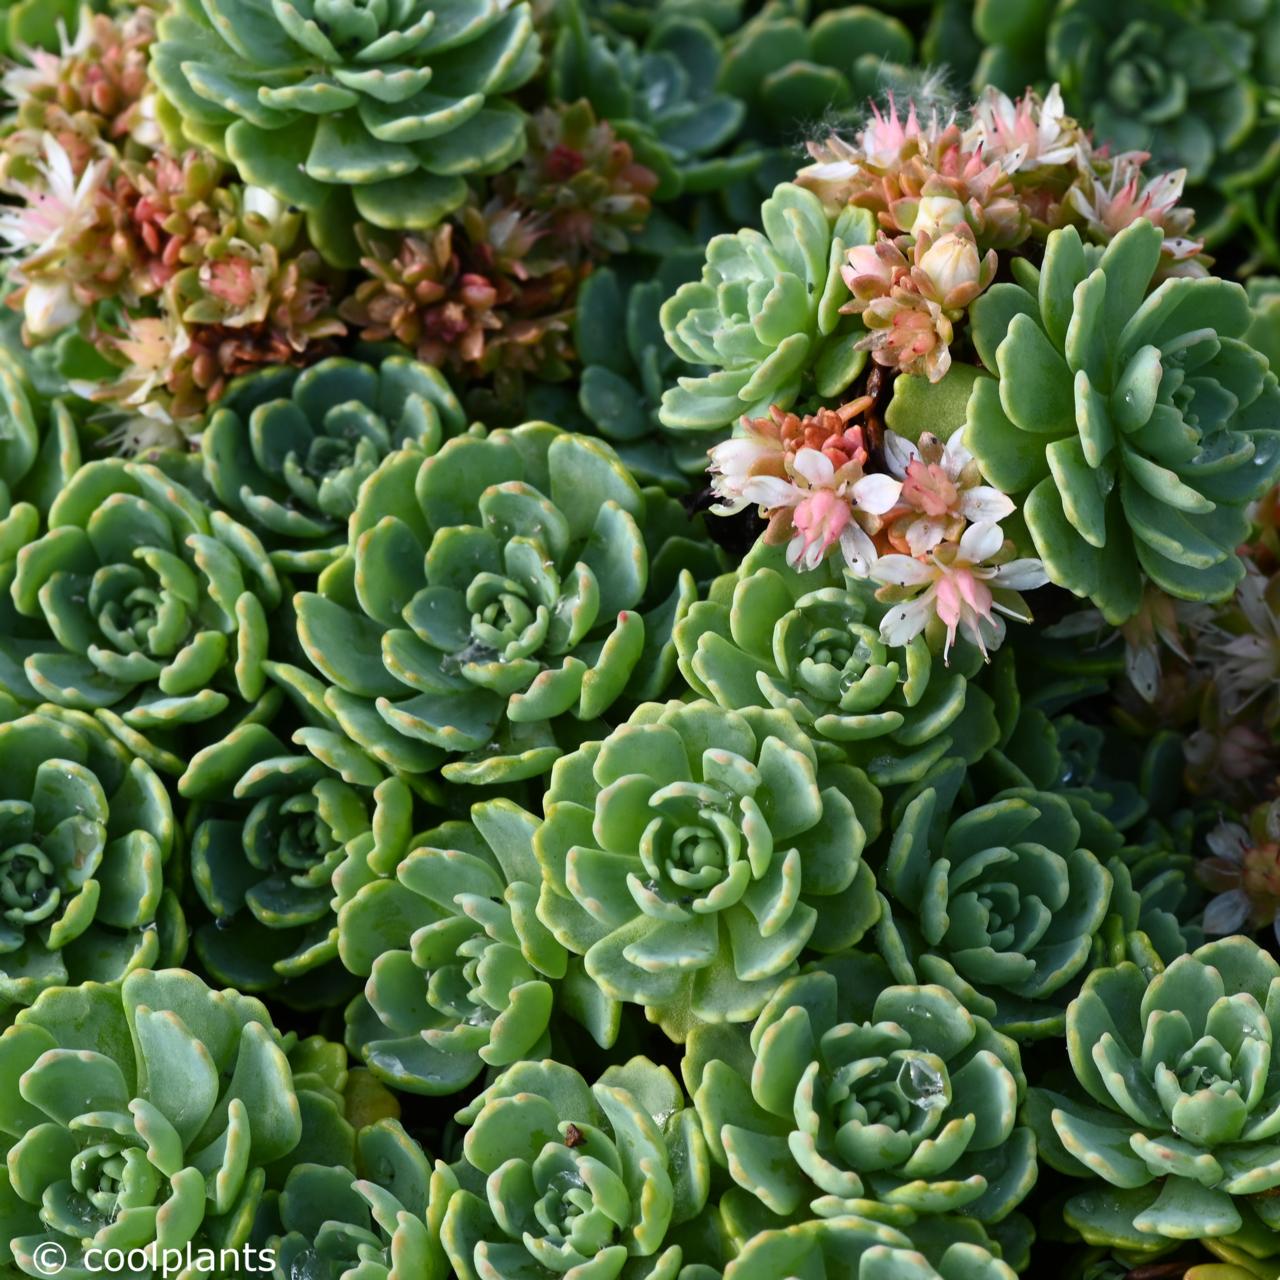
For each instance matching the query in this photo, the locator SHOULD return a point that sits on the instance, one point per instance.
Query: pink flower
(942, 489)
(824, 504)
(1025, 135)
(871, 270)
(748, 470)
(57, 210)
(1117, 196)
(806, 476)
(964, 585)
(884, 137)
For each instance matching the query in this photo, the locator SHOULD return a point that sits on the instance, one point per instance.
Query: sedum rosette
(997, 902)
(1175, 1106)
(1187, 82)
(460, 974)
(809, 643)
(766, 316)
(695, 853)
(488, 603)
(380, 108)
(140, 1116)
(156, 606)
(852, 1096)
(88, 855)
(562, 1178)
(378, 1222)
(1138, 425)
(286, 452)
(271, 827)
(854, 1248)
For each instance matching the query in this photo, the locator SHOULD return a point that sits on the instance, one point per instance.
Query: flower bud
(952, 263)
(868, 272)
(936, 215)
(49, 307)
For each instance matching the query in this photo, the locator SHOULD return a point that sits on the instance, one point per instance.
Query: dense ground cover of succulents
(640, 639)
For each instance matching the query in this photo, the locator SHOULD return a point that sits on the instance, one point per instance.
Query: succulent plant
(581, 182)
(270, 828)
(1173, 1108)
(376, 1222)
(1181, 81)
(856, 1248)
(140, 1115)
(661, 96)
(626, 364)
(765, 317)
(790, 71)
(1012, 35)
(383, 110)
(286, 452)
(487, 601)
(855, 1097)
(461, 976)
(474, 297)
(80, 76)
(1264, 329)
(559, 1176)
(998, 902)
(695, 853)
(809, 643)
(39, 453)
(156, 607)
(89, 858)
(1139, 425)
(1128, 817)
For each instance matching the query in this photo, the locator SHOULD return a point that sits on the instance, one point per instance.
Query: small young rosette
(998, 902)
(852, 1096)
(378, 1222)
(1177, 1106)
(809, 643)
(460, 975)
(156, 606)
(1139, 424)
(490, 600)
(344, 107)
(270, 828)
(562, 1178)
(286, 452)
(87, 855)
(139, 1116)
(765, 317)
(695, 853)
